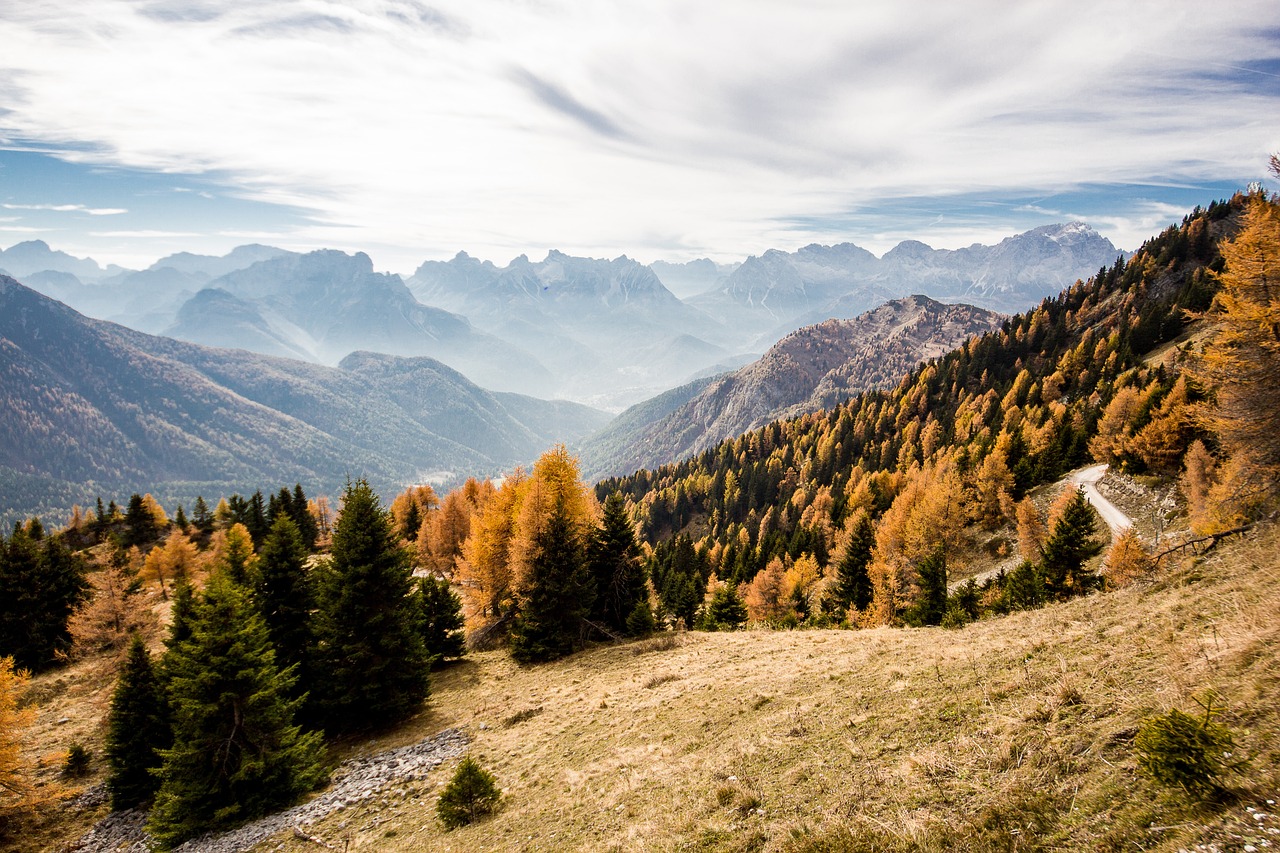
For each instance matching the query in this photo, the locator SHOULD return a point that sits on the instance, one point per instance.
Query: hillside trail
(1086, 478)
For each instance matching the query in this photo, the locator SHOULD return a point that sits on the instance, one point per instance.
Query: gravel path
(352, 783)
(1111, 514)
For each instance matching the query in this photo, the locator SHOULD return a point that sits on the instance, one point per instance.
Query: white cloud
(68, 208)
(143, 233)
(655, 128)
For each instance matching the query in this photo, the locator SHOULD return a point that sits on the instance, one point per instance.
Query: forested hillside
(810, 369)
(875, 485)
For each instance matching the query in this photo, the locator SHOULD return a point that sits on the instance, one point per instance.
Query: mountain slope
(91, 405)
(809, 370)
(1027, 398)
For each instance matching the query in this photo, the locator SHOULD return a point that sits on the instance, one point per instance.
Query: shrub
(1178, 749)
(77, 762)
(471, 794)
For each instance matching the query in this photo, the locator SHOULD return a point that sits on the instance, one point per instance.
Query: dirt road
(1111, 514)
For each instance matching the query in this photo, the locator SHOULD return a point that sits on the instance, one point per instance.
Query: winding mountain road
(1111, 514)
(1088, 479)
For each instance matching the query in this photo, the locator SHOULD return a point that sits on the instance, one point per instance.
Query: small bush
(77, 762)
(662, 678)
(471, 794)
(1178, 749)
(955, 617)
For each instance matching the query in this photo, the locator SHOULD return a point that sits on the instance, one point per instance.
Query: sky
(662, 129)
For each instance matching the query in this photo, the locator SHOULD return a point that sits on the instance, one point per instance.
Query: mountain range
(777, 292)
(609, 333)
(90, 407)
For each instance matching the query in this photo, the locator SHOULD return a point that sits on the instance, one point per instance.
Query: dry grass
(1009, 734)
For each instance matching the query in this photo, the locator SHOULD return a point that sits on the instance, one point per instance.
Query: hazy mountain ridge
(809, 370)
(606, 332)
(609, 329)
(780, 291)
(327, 304)
(90, 404)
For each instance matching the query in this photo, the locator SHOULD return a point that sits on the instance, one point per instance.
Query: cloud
(562, 102)
(68, 208)
(404, 124)
(143, 233)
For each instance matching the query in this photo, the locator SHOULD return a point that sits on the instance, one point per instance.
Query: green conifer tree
(373, 664)
(301, 515)
(237, 753)
(853, 584)
(41, 585)
(181, 613)
(1069, 547)
(550, 622)
(933, 587)
(1022, 589)
(440, 619)
(139, 524)
(201, 517)
(614, 559)
(137, 730)
(471, 794)
(726, 611)
(412, 521)
(286, 598)
(256, 519)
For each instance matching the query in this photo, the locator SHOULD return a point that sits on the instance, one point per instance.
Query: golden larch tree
(1241, 363)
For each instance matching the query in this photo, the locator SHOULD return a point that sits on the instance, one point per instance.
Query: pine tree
(726, 612)
(614, 559)
(933, 587)
(41, 585)
(1022, 589)
(100, 521)
(286, 599)
(853, 584)
(137, 730)
(412, 521)
(558, 598)
(236, 558)
(471, 794)
(181, 616)
(300, 512)
(256, 519)
(440, 619)
(373, 668)
(1070, 545)
(201, 517)
(236, 752)
(139, 524)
